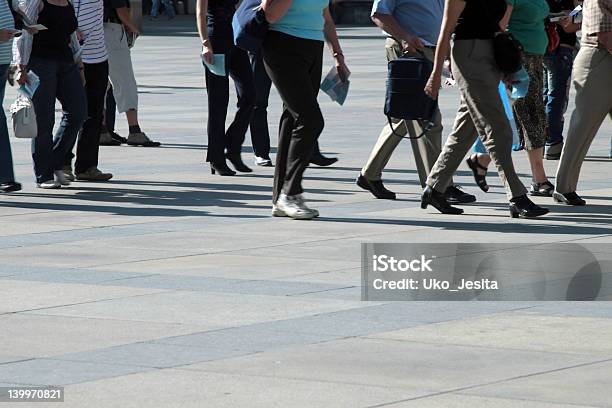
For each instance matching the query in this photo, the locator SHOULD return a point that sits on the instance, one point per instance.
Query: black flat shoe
(322, 161)
(10, 187)
(454, 195)
(523, 207)
(377, 188)
(481, 179)
(222, 169)
(437, 199)
(544, 189)
(239, 164)
(569, 199)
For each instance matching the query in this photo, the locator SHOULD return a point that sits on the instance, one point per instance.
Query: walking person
(52, 54)
(215, 28)
(481, 111)
(168, 9)
(527, 25)
(412, 28)
(118, 27)
(293, 55)
(90, 15)
(592, 79)
(557, 73)
(7, 33)
(260, 134)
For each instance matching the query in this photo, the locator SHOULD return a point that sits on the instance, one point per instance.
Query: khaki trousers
(426, 149)
(481, 112)
(592, 77)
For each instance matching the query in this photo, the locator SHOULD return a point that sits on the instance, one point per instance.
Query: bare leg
(536, 161)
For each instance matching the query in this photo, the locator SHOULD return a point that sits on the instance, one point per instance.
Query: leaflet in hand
(38, 27)
(29, 88)
(576, 14)
(334, 86)
(218, 65)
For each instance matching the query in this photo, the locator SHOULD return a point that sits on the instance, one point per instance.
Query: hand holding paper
(335, 87)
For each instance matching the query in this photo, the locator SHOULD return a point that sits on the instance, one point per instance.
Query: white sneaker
(49, 185)
(61, 177)
(293, 207)
(263, 162)
(303, 201)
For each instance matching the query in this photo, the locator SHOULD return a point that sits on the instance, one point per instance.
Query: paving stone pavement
(170, 287)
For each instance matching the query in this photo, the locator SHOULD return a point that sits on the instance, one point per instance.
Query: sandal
(545, 189)
(481, 179)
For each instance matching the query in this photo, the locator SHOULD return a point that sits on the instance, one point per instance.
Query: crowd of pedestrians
(83, 61)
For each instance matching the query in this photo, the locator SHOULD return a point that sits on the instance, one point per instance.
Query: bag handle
(425, 129)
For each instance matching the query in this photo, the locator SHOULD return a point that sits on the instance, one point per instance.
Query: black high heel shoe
(437, 199)
(481, 179)
(222, 169)
(239, 164)
(523, 207)
(319, 160)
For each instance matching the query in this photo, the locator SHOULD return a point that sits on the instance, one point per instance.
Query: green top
(527, 24)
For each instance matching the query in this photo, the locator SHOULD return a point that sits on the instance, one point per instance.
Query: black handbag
(507, 50)
(406, 98)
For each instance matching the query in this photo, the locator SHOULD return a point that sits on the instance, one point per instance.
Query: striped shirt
(90, 15)
(6, 21)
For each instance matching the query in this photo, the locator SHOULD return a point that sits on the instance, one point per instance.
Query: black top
(557, 6)
(110, 10)
(480, 19)
(219, 17)
(54, 42)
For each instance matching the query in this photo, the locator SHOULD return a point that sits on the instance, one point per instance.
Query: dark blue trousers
(6, 158)
(260, 132)
(58, 80)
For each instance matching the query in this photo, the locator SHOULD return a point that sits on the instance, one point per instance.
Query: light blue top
(6, 21)
(303, 20)
(422, 18)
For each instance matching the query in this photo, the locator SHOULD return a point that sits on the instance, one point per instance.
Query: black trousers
(295, 65)
(260, 133)
(239, 68)
(110, 110)
(88, 144)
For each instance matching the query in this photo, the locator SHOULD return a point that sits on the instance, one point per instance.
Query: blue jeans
(168, 8)
(557, 74)
(6, 158)
(58, 80)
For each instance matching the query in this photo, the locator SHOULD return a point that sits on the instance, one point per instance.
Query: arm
(334, 45)
(452, 11)
(276, 9)
(207, 49)
(503, 24)
(389, 24)
(126, 19)
(22, 47)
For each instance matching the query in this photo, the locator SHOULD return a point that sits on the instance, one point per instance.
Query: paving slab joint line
(569, 404)
(473, 387)
(85, 303)
(323, 291)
